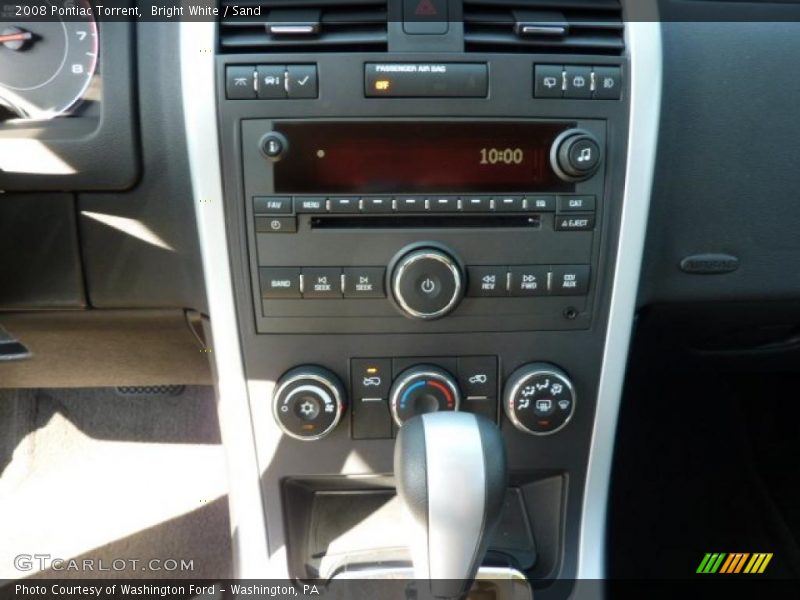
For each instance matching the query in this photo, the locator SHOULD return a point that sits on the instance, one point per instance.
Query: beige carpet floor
(123, 483)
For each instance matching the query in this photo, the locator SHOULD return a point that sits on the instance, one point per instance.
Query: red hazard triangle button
(426, 8)
(425, 16)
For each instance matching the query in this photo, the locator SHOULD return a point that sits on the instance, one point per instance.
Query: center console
(432, 225)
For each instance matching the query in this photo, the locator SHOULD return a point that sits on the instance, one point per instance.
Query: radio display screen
(414, 157)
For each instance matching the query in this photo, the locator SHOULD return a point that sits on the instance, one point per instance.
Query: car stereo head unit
(413, 157)
(377, 225)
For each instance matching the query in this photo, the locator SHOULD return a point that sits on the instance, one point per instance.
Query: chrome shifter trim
(456, 497)
(644, 45)
(199, 92)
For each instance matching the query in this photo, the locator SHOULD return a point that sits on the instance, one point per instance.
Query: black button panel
(371, 381)
(529, 203)
(577, 82)
(271, 82)
(516, 281)
(528, 280)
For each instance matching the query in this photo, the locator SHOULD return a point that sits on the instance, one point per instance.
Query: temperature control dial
(539, 399)
(423, 389)
(308, 403)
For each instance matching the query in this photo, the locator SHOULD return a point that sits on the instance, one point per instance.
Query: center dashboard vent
(303, 25)
(569, 26)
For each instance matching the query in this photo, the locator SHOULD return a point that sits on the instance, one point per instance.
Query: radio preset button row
(577, 82)
(536, 203)
(528, 280)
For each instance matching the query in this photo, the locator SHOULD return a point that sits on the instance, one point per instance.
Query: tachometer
(46, 65)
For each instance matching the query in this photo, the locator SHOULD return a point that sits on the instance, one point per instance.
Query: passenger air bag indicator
(426, 80)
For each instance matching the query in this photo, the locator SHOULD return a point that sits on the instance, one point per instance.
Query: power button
(427, 283)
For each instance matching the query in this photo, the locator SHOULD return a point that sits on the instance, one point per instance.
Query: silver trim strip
(521, 591)
(250, 550)
(644, 44)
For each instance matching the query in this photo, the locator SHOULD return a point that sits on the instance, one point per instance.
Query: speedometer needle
(16, 37)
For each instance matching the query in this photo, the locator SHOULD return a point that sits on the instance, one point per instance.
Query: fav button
(272, 205)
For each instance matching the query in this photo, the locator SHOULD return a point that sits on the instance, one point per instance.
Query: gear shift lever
(451, 474)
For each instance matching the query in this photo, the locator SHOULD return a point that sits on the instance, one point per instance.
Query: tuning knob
(308, 403)
(423, 389)
(426, 283)
(575, 155)
(539, 399)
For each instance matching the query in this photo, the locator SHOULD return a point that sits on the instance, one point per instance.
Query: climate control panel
(309, 401)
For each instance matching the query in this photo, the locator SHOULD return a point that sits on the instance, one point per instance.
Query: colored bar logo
(737, 562)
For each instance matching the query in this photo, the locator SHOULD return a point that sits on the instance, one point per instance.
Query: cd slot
(425, 222)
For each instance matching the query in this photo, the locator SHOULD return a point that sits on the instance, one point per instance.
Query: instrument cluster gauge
(48, 61)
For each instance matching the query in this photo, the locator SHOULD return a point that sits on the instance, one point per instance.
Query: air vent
(303, 25)
(570, 26)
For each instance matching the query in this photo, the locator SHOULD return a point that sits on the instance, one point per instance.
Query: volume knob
(426, 283)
